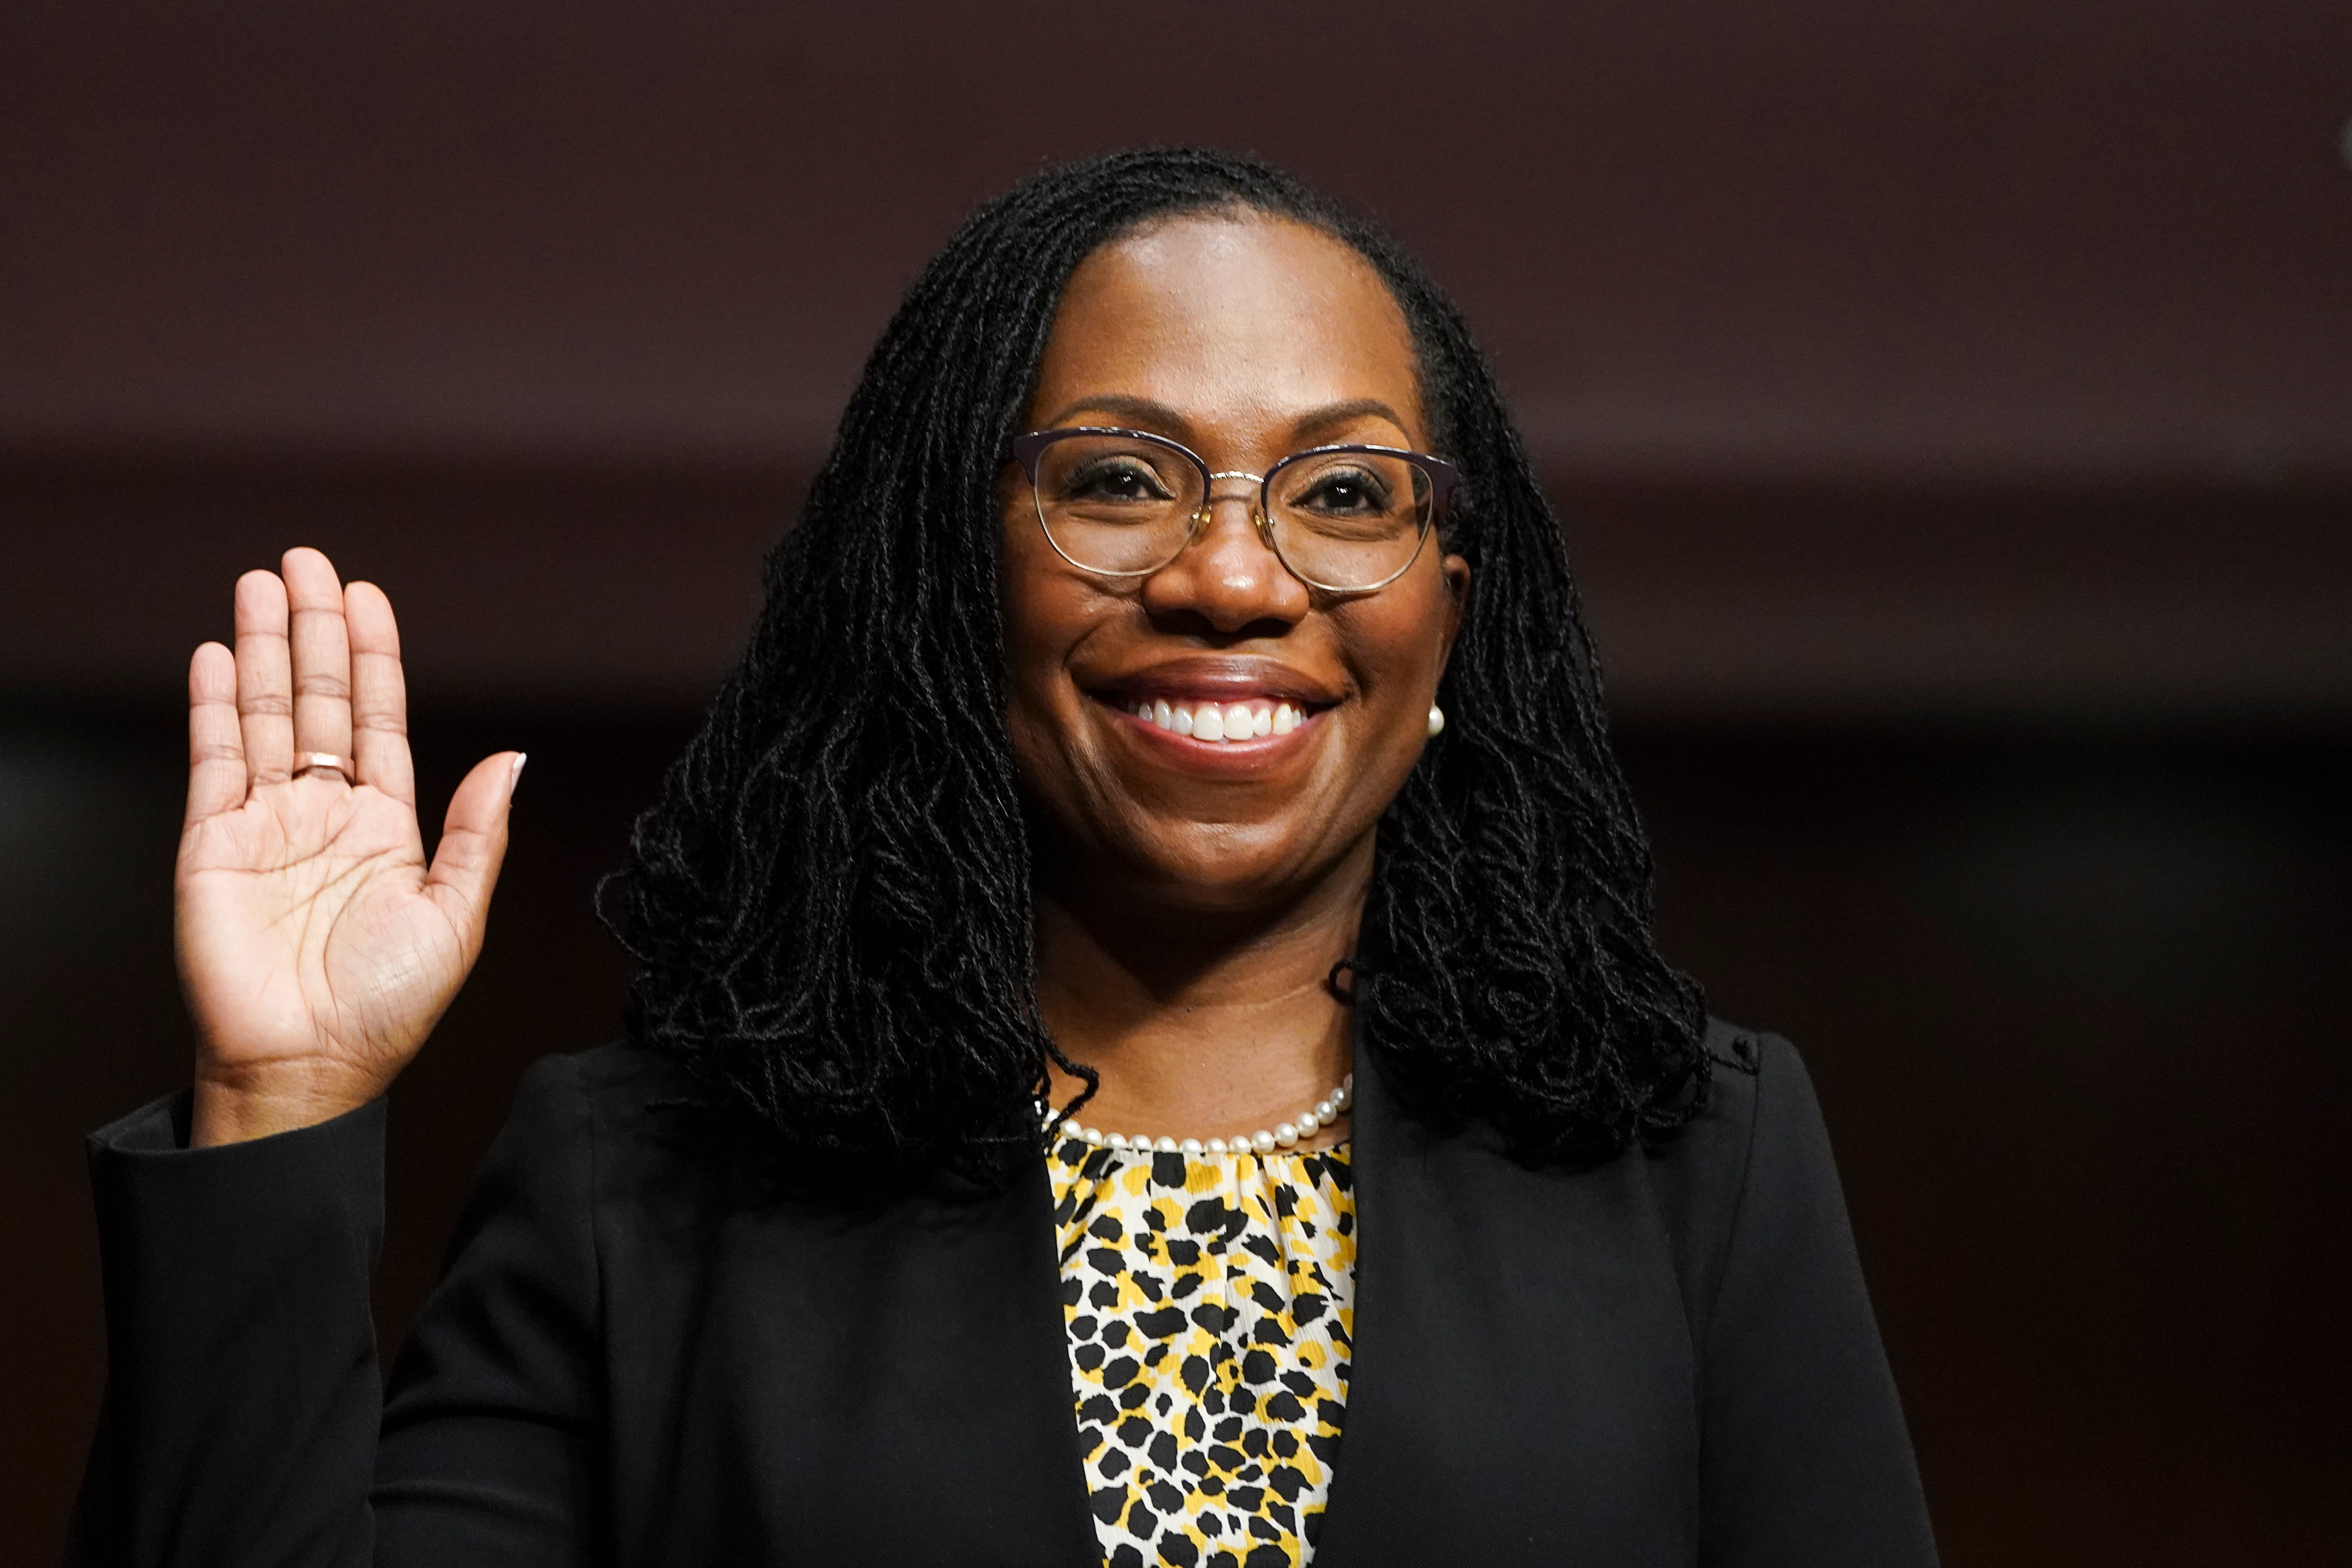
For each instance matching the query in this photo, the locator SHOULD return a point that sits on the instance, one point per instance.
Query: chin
(1211, 873)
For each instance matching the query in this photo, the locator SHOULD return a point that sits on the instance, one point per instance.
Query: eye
(1344, 493)
(1115, 479)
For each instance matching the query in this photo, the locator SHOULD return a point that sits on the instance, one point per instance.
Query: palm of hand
(317, 945)
(307, 934)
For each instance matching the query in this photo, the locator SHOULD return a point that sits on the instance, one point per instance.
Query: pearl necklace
(1263, 1142)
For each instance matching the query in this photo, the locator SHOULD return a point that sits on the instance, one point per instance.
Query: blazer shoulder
(1739, 1062)
(618, 1071)
(598, 1109)
(662, 1146)
(1767, 1086)
(1753, 1075)
(1758, 1095)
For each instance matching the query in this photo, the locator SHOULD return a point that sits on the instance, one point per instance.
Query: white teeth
(1221, 721)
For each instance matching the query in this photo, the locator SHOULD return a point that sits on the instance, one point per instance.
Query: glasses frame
(1030, 448)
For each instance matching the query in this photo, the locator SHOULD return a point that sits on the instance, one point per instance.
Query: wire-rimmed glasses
(1125, 503)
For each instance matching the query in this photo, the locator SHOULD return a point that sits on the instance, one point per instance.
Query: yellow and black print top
(1210, 1300)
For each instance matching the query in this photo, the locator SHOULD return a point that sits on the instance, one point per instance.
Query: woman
(1148, 1045)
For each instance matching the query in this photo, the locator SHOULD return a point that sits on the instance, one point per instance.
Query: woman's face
(1246, 338)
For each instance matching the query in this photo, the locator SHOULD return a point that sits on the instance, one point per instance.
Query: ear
(1457, 572)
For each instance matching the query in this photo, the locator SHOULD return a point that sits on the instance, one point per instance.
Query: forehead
(1235, 321)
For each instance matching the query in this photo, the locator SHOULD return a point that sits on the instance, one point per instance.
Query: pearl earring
(1437, 719)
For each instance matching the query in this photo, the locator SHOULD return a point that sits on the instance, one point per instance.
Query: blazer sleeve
(244, 1420)
(1805, 1461)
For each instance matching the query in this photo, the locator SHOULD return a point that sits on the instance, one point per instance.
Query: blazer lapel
(885, 1386)
(1522, 1385)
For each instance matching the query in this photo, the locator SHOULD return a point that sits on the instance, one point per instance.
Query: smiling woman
(1146, 1045)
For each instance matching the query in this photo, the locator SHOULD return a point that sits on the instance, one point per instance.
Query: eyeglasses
(1122, 503)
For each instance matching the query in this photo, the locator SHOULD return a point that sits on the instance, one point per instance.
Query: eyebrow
(1148, 413)
(1142, 412)
(1332, 416)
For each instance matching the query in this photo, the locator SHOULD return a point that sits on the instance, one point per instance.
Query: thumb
(474, 844)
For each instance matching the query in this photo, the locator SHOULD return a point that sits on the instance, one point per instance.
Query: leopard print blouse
(1210, 1300)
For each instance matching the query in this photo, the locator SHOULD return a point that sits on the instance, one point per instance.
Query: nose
(1227, 575)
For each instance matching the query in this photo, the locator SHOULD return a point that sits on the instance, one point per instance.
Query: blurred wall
(1886, 330)
(1950, 406)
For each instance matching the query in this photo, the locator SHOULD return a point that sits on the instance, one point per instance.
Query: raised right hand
(317, 949)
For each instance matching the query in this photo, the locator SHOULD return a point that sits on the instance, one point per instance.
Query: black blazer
(633, 1359)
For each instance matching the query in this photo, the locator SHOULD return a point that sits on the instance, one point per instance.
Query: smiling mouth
(1218, 722)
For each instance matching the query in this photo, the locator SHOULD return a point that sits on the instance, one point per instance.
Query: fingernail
(514, 775)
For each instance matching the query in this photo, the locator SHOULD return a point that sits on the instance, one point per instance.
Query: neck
(1200, 1024)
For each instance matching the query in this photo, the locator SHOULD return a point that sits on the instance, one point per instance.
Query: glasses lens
(1350, 519)
(1116, 503)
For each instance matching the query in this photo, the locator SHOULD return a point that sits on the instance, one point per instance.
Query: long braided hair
(829, 906)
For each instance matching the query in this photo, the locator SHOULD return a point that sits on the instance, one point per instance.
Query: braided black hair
(830, 903)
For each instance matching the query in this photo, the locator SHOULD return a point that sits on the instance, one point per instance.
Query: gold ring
(324, 762)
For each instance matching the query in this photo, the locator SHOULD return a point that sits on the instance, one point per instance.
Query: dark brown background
(1952, 406)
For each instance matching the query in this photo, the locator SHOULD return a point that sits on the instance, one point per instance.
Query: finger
(216, 746)
(474, 844)
(265, 679)
(379, 693)
(322, 654)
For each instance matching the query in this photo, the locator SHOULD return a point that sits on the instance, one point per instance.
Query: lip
(1195, 680)
(1206, 678)
(1212, 758)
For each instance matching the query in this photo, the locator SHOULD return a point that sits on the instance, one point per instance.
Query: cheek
(1029, 612)
(1046, 613)
(1399, 642)
(1393, 649)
